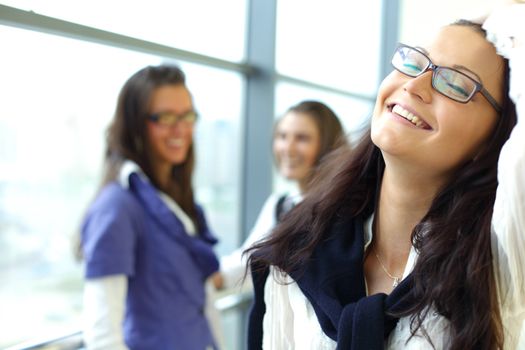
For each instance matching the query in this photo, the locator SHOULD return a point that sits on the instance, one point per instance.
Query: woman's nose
(177, 128)
(289, 145)
(420, 86)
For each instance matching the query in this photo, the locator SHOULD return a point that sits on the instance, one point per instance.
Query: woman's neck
(403, 201)
(163, 175)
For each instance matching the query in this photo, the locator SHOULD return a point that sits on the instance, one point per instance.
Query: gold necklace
(396, 279)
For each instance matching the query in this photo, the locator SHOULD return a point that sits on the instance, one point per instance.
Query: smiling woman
(170, 133)
(454, 131)
(146, 243)
(296, 146)
(414, 238)
(303, 137)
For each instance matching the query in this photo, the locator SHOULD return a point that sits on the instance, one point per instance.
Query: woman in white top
(302, 137)
(416, 239)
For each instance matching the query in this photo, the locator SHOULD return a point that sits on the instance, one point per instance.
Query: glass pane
(417, 25)
(353, 113)
(217, 96)
(213, 28)
(58, 96)
(334, 43)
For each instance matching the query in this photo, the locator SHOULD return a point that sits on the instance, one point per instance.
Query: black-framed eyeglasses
(449, 82)
(170, 119)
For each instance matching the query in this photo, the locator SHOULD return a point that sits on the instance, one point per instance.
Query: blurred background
(63, 62)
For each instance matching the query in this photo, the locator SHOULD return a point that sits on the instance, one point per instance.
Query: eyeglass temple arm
(491, 99)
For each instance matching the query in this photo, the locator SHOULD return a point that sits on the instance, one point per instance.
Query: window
(213, 28)
(353, 112)
(58, 97)
(334, 43)
(329, 52)
(217, 97)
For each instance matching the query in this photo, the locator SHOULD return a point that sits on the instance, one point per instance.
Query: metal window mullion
(260, 99)
(389, 35)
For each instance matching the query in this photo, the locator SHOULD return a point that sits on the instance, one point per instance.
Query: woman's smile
(409, 116)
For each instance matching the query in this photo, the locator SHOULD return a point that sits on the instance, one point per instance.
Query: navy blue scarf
(334, 283)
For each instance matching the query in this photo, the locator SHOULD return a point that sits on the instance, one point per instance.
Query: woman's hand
(217, 280)
(505, 27)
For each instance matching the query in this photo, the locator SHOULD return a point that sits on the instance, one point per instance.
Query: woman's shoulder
(271, 204)
(274, 198)
(115, 197)
(266, 218)
(278, 197)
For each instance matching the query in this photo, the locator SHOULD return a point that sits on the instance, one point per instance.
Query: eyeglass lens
(169, 118)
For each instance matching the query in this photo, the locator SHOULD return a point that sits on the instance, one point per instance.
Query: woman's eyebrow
(460, 67)
(422, 49)
(456, 66)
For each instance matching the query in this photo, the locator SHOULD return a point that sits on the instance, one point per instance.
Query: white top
(233, 265)
(290, 321)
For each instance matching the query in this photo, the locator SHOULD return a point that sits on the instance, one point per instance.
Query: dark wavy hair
(454, 271)
(126, 136)
(331, 133)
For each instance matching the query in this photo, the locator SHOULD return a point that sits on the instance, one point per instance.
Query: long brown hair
(127, 138)
(453, 272)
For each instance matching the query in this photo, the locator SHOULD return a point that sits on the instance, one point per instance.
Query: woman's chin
(289, 174)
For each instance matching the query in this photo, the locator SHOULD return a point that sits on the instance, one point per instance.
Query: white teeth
(407, 115)
(418, 123)
(291, 161)
(175, 142)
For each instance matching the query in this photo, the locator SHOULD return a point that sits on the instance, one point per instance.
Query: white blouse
(290, 321)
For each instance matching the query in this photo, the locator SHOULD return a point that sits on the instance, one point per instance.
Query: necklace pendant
(396, 282)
